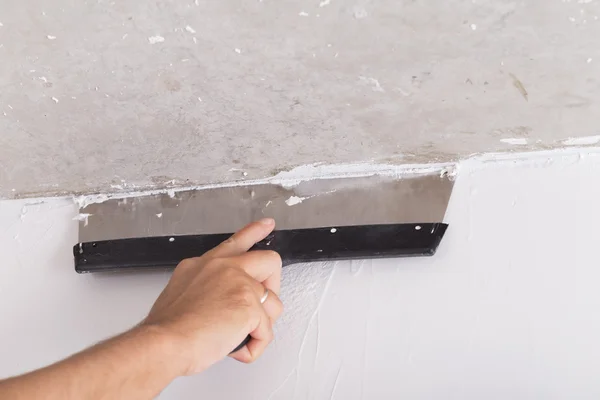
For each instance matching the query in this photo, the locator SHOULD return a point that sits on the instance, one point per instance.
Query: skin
(209, 306)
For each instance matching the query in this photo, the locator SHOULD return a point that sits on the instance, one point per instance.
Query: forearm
(135, 365)
(210, 304)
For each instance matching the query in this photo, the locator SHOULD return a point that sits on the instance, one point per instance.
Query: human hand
(212, 302)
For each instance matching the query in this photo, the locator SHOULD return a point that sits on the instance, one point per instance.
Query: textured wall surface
(102, 95)
(507, 309)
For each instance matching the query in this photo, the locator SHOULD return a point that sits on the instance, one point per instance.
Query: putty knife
(373, 216)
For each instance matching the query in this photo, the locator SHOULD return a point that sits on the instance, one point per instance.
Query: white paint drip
(156, 39)
(293, 200)
(324, 3)
(190, 29)
(50, 37)
(54, 99)
(474, 27)
(239, 51)
(303, 14)
(582, 141)
(159, 215)
(515, 141)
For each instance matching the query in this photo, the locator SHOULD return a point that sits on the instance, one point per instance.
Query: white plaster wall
(508, 308)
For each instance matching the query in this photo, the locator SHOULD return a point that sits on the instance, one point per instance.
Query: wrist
(167, 349)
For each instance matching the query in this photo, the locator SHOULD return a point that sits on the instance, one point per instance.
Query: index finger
(241, 241)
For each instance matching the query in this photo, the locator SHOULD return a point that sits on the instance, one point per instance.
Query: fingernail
(267, 221)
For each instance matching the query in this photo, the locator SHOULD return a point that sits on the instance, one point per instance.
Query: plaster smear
(582, 141)
(515, 141)
(156, 39)
(293, 200)
(292, 178)
(84, 201)
(295, 176)
(83, 217)
(374, 83)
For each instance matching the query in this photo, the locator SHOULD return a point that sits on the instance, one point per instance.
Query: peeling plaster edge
(533, 157)
(295, 176)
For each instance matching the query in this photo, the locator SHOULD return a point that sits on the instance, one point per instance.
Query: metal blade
(370, 200)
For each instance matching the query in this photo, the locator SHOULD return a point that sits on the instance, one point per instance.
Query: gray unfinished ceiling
(98, 94)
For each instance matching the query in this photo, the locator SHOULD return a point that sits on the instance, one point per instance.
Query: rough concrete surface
(103, 95)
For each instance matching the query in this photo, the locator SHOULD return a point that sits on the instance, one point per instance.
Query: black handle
(296, 245)
(245, 342)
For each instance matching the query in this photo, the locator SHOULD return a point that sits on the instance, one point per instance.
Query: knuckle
(280, 308)
(250, 360)
(245, 295)
(226, 270)
(215, 263)
(274, 257)
(185, 264)
(271, 335)
(232, 276)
